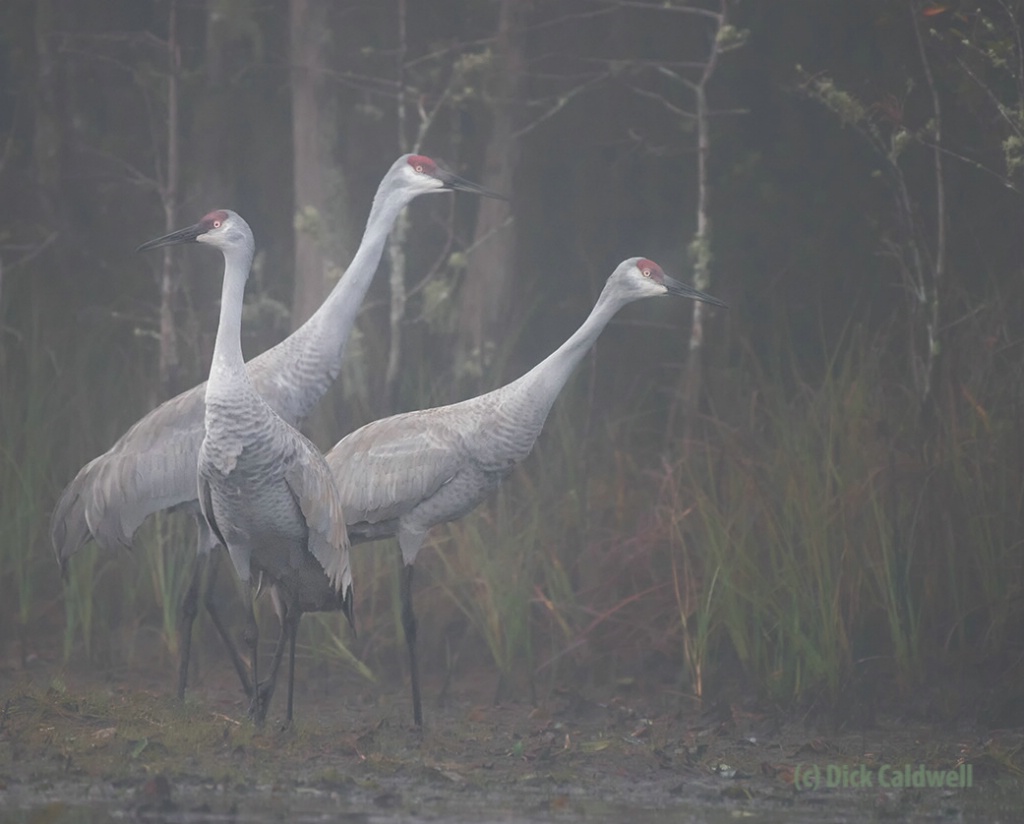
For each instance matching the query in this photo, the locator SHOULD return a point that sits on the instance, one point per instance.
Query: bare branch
(354, 80)
(664, 101)
(441, 257)
(671, 75)
(987, 91)
(662, 7)
(570, 18)
(560, 103)
(427, 118)
(32, 253)
(977, 165)
(132, 172)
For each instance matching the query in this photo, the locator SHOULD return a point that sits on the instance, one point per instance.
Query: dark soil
(80, 746)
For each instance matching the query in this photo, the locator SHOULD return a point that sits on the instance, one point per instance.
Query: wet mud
(76, 746)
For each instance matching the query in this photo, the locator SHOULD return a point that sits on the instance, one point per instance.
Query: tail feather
(73, 525)
(348, 608)
(339, 573)
(69, 528)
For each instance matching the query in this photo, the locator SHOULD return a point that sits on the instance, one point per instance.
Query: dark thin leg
(291, 669)
(189, 610)
(289, 626)
(409, 625)
(222, 630)
(251, 637)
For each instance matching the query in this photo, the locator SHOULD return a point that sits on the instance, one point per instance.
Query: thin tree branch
(717, 17)
(562, 101)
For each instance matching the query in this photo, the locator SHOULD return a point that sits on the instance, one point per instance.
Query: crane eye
(646, 272)
(216, 224)
(419, 168)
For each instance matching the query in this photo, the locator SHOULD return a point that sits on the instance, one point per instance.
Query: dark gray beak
(186, 235)
(460, 184)
(682, 290)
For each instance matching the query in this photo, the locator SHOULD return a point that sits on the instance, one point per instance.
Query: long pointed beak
(460, 184)
(682, 290)
(186, 235)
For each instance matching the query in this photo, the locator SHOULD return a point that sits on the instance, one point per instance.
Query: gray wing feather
(150, 468)
(206, 507)
(311, 483)
(153, 465)
(389, 466)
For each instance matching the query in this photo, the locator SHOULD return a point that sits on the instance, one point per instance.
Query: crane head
(643, 277)
(422, 174)
(221, 228)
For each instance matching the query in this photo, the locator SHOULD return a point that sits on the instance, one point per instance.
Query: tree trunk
(700, 254)
(700, 247)
(170, 363)
(486, 289)
(396, 243)
(319, 190)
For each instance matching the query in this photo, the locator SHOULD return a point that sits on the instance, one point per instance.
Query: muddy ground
(77, 745)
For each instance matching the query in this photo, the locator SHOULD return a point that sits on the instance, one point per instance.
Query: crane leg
(210, 602)
(291, 669)
(189, 610)
(251, 636)
(409, 626)
(265, 691)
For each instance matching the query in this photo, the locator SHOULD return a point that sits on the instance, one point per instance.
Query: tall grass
(81, 603)
(28, 413)
(488, 573)
(807, 535)
(818, 537)
(65, 391)
(806, 538)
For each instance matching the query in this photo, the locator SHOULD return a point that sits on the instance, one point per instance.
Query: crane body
(265, 492)
(402, 475)
(152, 467)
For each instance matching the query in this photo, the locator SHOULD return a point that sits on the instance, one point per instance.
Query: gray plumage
(264, 490)
(152, 467)
(405, 474)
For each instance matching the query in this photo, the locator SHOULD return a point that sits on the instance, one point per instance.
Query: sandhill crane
(405, 474)
(265, 491)
(152, 467)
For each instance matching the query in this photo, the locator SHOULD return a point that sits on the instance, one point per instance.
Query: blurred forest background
(815, 497)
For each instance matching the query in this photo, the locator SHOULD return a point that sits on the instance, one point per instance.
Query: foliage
(802, 535)
(27, 418)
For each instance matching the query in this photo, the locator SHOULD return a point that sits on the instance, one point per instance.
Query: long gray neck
(548, 377)
(228, 367)
(329, 327)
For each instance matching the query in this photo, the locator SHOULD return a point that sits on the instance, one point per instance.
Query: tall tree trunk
(46, 142)
(170, 362)
(700, 246)
(210, 135)
(396, 243)
(486, 289)
(319, 190)
(700, 254)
